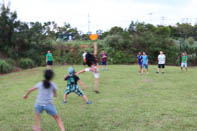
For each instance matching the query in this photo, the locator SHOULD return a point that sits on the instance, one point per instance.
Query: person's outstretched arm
(65, 76)
(95, 49)
(28, 92)
(46, 58)
(82, 84)
(54, 93)
(82, 71)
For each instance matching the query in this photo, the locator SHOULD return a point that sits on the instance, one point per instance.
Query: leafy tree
(115, 30)
(8, 24)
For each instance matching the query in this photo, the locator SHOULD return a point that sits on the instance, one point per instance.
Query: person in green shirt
(184, 61)
(49, 59)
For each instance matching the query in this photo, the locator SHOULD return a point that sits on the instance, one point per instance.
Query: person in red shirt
(104, 60)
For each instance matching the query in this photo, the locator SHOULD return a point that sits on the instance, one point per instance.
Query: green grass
(127, 102)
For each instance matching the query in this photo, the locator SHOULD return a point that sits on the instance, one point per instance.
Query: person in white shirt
(91, 61)
(161, 62)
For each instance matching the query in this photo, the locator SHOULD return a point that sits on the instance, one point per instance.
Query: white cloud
(103, 13)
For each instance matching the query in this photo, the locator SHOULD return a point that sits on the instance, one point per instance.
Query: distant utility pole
(89, 24)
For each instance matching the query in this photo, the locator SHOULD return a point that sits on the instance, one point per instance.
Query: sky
(104, 14)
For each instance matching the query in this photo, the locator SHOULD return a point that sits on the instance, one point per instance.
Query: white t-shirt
(84, 55)
(161, 59)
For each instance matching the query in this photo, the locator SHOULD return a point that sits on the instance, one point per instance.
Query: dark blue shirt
(139, 57)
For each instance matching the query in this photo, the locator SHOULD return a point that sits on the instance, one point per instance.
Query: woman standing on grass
(44, 102)
(91, 61)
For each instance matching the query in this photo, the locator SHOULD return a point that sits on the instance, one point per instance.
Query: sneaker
(89, 102)
(64, 102)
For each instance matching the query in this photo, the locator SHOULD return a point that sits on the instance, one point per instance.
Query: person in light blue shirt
(144, 62)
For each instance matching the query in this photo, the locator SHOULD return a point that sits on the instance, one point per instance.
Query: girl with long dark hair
(91, 61)
(44, 102)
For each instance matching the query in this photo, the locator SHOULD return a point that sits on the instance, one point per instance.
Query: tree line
(28, 42)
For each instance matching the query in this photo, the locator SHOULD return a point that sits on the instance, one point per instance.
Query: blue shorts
(104, 63)
(145, 65)
(50, 109)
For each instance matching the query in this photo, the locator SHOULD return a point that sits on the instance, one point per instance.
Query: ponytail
(46, 83)
(48, 75)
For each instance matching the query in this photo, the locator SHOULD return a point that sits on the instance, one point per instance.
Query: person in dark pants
(161, 62)
(49, 60)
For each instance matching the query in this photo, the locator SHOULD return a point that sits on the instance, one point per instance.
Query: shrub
(11, 62)
(5, 67)
(26, 63)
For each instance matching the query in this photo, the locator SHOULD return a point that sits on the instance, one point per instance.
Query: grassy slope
(128, 101)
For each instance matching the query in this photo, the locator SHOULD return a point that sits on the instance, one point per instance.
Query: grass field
(127, 102)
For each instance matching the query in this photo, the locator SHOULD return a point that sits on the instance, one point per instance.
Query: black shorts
(161, 65)
(49, 62)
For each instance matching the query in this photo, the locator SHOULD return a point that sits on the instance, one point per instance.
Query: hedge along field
(128, 101)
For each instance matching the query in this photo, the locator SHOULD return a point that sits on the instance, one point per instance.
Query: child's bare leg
(142, 70)
(106, 68)
(102, 67)
(181, 68)
(65, 97)
(85, 98)
(158, 70)
(96, 84)
(36, 127)
(59, 122)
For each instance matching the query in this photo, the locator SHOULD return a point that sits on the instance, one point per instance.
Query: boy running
(72, 86)
(161, 62)
(44, 102)
(184, 61)
(139, 58)
(144, 62)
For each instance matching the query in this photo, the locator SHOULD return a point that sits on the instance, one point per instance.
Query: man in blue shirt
(144, 62)
(139, 58)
